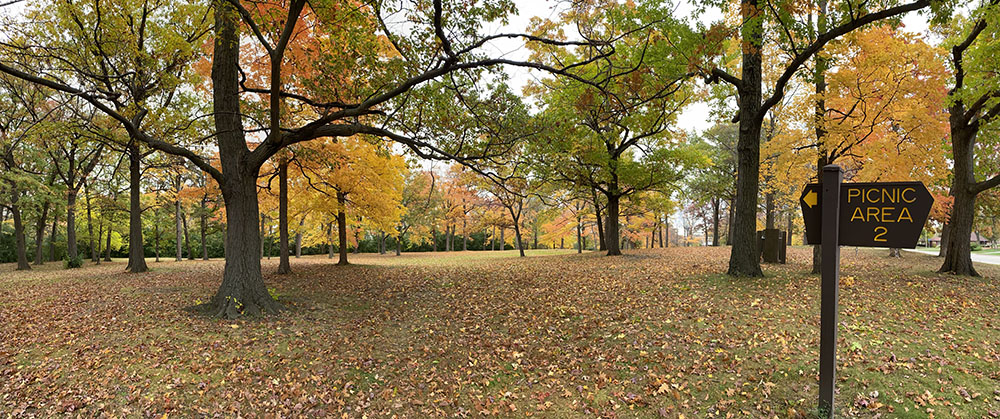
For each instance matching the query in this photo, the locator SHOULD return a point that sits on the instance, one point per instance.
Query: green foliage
(976, 247)
(74, 263)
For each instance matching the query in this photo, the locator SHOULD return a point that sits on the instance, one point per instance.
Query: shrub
(976, 247)
(74, 263)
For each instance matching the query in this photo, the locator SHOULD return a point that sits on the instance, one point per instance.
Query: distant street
(987, 259)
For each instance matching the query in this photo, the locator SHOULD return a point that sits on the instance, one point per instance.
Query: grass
(653, 333)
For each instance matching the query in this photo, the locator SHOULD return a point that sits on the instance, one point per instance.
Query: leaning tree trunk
(22, 254)
(611, 226)
(136, 251)
(284, 266)
(72, 251)
(40, 232)
(743, 259)
(342, 227)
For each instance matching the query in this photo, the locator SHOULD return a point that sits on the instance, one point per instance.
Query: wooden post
(832, 177)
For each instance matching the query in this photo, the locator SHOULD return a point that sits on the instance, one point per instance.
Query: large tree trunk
(958, 255)
(15, 209)
(40, 232)
(945, 235)
(178, 229)
(90, 224)
(342, 227)
(72, 251)
(743, 260)
(399, 244)
(136, 252)
(611, 226)
(242, 290)
(284, 265)
(769, 210)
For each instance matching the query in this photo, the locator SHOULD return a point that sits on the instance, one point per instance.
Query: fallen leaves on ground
(653, 333)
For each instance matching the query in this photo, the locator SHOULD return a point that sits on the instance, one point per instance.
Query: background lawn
(652, 333)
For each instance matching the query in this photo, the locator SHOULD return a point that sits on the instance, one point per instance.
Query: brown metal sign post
(832, 176)
(881, 214)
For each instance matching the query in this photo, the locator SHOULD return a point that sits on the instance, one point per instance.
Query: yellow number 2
(880, 231)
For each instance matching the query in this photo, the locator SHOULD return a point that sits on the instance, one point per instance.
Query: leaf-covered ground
(653, 333)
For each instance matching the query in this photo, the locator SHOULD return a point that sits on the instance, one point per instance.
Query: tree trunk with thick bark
(242, 290)
(136, 251)
(743, 259)
(342, 227)
(958, 255)
(284, 265)
(611, 226)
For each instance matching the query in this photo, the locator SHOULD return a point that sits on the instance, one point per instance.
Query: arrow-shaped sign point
(810, 199)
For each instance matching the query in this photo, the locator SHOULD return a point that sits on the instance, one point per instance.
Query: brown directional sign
(882, 214)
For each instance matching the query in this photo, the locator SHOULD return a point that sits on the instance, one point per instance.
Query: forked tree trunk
(342, 227)
(136, 252)
(242, 290)
(958, 255)
(284, 265)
